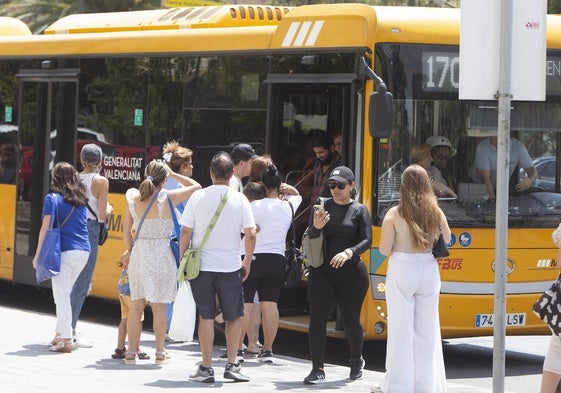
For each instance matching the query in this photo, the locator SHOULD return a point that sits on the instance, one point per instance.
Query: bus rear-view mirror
(380, 114)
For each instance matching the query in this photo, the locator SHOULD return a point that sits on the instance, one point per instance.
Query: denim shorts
(226, 286)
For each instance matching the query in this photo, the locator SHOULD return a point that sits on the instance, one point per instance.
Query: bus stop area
(28, 366)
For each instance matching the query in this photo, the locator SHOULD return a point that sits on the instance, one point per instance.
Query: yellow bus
(274, 76)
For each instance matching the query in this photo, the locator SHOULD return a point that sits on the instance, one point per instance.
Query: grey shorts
(226, 286)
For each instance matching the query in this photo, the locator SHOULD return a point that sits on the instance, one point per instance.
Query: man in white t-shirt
(222, 270)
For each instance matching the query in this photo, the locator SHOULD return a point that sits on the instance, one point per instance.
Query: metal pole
(501, 219)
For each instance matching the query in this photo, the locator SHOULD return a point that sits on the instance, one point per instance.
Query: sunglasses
(336, 184)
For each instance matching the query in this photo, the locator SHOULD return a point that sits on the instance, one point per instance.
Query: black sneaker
(357, 365)
(239, 356)
(315, 377)
(265, 357)
(203, 374)
(234, 372)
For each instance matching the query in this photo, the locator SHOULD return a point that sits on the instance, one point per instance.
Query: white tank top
(87, 179)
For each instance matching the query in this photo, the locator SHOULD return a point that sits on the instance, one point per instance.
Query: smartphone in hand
(318, 209)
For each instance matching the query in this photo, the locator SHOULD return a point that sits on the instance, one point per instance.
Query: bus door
(47, 111)
(300, 106)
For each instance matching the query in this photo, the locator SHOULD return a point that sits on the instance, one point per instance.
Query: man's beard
(327, 160)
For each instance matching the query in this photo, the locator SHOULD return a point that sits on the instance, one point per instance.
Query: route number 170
(441, 71)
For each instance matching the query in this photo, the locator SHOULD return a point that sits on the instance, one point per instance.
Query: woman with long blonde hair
(414, 361)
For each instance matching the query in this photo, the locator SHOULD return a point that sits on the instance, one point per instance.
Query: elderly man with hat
(242, 154)
(441, 151)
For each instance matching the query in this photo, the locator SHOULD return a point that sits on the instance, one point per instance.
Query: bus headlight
(379, 327)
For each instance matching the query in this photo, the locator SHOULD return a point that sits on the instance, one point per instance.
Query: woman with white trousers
(414, 360)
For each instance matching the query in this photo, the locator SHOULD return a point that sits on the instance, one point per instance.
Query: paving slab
(26, 365)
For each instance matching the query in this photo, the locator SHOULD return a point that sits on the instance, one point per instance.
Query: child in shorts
(125, 300)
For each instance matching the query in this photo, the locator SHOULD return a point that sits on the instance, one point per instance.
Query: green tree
(39, 14)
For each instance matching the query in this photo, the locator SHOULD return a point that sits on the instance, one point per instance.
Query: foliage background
(39, 14)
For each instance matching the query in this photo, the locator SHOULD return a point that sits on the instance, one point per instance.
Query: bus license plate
(486, 320)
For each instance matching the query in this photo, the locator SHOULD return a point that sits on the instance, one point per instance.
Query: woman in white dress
(151, 264)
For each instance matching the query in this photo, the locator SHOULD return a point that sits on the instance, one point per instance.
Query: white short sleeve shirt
(221, 252)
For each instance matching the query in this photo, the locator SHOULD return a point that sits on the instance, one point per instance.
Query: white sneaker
(376, 389)
(81, 342)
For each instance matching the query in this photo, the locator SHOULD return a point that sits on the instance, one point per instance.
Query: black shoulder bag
(294, 259)
(439, 249)
(103, 228)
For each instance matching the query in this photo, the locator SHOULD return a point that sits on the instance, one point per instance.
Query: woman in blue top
(69, 199)
(180, 160)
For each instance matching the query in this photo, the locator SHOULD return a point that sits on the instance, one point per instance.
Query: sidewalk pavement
(26, 365)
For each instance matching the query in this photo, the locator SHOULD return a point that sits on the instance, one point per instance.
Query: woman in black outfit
(347, 233)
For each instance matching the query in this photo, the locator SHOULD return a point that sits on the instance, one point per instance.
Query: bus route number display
(441, 72)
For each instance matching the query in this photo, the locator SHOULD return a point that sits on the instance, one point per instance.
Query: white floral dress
(152, 269)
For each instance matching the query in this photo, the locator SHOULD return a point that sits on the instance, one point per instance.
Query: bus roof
(343, 27)
(13, 26)
(243, 29)
(170, 19)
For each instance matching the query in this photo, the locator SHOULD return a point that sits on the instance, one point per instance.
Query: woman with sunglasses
(347, 232)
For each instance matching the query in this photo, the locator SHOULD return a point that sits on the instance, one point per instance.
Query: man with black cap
(242, 154)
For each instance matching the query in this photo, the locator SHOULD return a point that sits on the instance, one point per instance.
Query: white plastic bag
(184, 312)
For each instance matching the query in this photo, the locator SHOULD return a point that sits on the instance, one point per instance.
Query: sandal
(119, 353)
(162, 357)
(130, 357)
(55, 340)
(142, 355)
(62, 346)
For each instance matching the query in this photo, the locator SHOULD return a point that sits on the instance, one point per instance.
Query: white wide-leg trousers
(414, 360)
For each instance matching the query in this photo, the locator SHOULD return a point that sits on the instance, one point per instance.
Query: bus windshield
(427, 111)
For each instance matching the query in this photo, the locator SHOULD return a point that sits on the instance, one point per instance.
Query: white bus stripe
(302, 34)
(314, 33)
(290, 33)
(474, 288)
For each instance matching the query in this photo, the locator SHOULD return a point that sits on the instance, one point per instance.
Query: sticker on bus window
(513, 319)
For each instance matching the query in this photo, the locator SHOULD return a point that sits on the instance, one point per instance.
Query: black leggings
(348, 285)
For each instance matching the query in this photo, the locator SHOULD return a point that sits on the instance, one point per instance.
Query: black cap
(242, 152)
(342, 174)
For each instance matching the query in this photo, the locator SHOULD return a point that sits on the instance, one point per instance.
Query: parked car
(546, 173)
